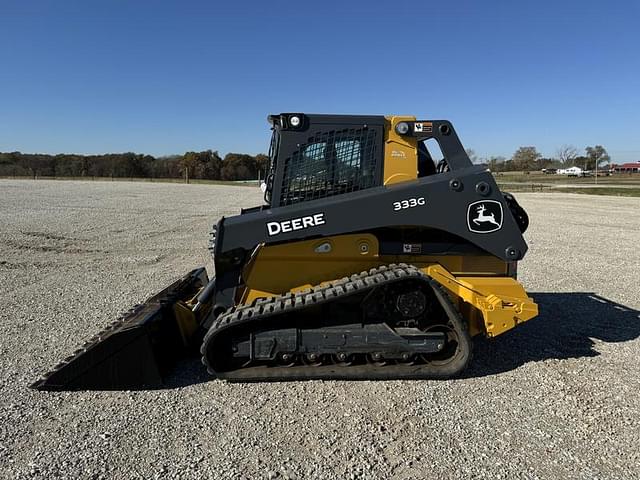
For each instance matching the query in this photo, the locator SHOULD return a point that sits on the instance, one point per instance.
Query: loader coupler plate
(138, 349)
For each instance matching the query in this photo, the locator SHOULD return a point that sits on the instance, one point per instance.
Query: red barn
(628, 167)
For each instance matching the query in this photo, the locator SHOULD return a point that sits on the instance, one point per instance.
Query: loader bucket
(137, 350)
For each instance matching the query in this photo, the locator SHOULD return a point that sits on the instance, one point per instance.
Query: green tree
(596, 156)
(581, 161)
(238, 166)
(496, 164)
(525, 158)
(206, 165)
(168, 167)
(262, 165)
(544, 163)
(210, 164)
(188, 165)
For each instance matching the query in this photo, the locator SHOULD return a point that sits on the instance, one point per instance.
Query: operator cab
(317, 156)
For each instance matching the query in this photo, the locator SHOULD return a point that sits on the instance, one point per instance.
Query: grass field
(615, 191)
(618, 191)
(539, 177)
(624, 185)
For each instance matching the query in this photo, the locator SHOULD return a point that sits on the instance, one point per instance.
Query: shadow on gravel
(187, 371)
(564, 329)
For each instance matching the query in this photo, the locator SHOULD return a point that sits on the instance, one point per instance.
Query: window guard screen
(330, 163)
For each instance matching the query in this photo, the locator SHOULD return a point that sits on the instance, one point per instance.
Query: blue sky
(166, 77)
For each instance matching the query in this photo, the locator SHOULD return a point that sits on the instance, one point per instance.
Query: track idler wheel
(343, 359)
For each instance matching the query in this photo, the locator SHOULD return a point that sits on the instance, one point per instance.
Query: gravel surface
(556, 398)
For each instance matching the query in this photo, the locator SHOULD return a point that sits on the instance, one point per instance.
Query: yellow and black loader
(367, 260)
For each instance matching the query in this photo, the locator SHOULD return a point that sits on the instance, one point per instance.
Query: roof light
(294, 121)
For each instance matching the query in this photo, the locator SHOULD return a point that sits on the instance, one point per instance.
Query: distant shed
(628, 167)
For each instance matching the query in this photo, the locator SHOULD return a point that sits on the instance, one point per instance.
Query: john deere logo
(484, 216)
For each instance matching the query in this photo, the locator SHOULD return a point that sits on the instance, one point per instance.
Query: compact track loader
(368, 260)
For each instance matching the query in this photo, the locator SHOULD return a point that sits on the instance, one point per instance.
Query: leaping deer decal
(482, 218)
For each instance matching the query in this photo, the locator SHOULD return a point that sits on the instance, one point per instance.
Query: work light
(402, 128)
(294, 121)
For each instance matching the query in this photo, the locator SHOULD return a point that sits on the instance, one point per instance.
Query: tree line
(208, 165)
(529, 159)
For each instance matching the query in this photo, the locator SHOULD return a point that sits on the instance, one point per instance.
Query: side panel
(277, 269)
(446, 202)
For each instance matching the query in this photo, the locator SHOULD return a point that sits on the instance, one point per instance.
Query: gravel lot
(557, 398)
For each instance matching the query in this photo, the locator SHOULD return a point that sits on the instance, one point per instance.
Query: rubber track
(265, 308)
